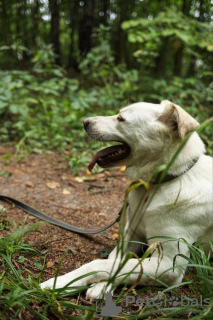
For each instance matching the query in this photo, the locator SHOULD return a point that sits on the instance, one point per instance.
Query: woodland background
(61, 61)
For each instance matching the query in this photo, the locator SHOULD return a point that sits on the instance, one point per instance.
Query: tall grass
(19, 295)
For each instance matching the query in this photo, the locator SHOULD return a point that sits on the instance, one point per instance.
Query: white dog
(181, 207)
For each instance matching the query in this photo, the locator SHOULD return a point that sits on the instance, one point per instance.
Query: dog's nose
(86, 122)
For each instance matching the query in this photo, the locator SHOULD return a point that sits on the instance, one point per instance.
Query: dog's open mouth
(109, 156)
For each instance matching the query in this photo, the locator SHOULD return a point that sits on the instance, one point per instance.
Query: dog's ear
(178, 120)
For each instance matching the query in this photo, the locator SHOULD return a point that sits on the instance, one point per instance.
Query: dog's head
(143, 130)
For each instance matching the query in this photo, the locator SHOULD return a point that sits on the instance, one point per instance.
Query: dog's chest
(137, 207)
(145, 210)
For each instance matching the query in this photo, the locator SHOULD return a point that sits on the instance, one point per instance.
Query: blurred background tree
(97, 55)
(171, 30)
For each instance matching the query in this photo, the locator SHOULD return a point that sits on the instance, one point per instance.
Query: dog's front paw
(63, 281)
(47, 284)
(97, 290)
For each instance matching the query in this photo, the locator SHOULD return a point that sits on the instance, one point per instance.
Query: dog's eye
(120, 118)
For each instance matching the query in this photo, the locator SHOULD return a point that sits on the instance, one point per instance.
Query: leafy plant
(151, 33)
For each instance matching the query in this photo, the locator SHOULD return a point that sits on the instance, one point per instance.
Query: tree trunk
(74, 21)
(26, 34)
(54, 27)
(162, 59)
(186, 7)
(178, 45)
(36, 19)
(5, 22)
(103, 8)
(125, 12)
(86, 27)
(201, 10)
(18, 21)
(178, 56)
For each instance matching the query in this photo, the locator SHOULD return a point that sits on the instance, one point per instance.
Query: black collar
(170, 177)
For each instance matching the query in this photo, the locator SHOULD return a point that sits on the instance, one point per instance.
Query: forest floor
(45, 182)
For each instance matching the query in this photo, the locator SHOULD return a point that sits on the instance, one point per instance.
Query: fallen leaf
(31, 217)
(83, 178)
(29, 184)
(102, 214)
(73, 251)
(88, 172)
(108, 173)
(65, 191)
(50, 264)
(79, 179)
(53, 185)
(114, 236)
(123, 169)
(90, 178)
(67, 152)
(100, 176)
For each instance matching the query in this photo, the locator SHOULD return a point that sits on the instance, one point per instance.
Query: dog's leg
(154, 269)
(97, 290)
(107, 266)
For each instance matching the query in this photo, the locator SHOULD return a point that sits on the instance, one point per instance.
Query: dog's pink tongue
(93, 162)
(99, 154)
(102, 153)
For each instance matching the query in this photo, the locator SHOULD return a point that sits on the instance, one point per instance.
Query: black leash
(56, 222)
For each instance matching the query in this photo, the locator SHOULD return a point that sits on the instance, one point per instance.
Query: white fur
(180, 208)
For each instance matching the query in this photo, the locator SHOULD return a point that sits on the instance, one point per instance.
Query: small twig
(78, 298)
(72, 184)
(101, 191)
(92, 185)
(116, 175)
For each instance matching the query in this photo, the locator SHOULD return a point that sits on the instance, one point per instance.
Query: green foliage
(4, 223)
(169, 23)
(43, 108)
(46, 113)
(34, 111)
(114, 83)
(177, 41)
(44, 61)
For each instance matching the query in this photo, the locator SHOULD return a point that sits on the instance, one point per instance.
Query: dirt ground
(47, 183)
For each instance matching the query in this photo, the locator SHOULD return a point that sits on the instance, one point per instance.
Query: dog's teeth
(114, 154)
